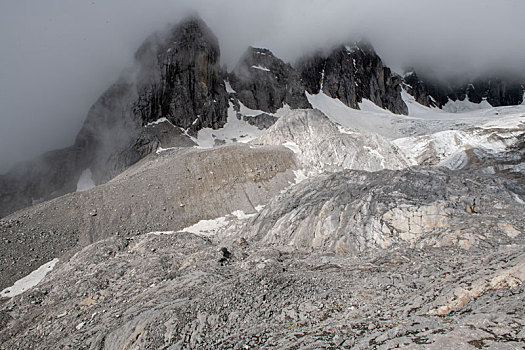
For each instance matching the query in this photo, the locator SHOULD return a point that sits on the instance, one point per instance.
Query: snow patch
(160, 233)
(239, 214)
(29, 281)
(235, 130)
(300, 176)
(246, 111)
(369, 106)
(229, 88)
(158, 121)
(375, 119)
(85, 182)
(209, 228)
(261, 68)
(351, 49)
(465, 105)
(160, 149)
(506, 122)
(415, 108)
(293, 146)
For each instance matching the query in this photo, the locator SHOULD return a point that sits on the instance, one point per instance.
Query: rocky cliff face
(180, 78)
(421, 92)
(176, 76)
(498, 91)
(264, 82)
(352, 73)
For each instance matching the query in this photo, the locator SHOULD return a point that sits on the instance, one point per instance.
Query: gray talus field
(163, 192)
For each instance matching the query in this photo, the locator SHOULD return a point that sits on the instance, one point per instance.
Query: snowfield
(431, 136)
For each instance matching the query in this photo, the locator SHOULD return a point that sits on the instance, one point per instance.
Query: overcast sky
(58, 56)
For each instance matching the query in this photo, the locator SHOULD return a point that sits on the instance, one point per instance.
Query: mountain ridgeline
(496, 90)
(177, 76)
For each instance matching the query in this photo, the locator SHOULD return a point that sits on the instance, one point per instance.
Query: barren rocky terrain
(167, 191)
(210, 213)
(411, 257)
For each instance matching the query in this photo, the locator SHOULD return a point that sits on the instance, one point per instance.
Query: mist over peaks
(57, 57)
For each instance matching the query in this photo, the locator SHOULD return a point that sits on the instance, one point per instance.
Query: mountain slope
(273, 280)
(163, 192)
(234, 220)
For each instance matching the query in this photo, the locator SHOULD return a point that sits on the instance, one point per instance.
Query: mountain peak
(351, 73)
(191, 33)
(264, 82)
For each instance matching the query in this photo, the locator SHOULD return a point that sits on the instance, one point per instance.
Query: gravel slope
(169, 191)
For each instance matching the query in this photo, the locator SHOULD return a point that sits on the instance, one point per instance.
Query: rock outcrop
(180, 78)
(321, 145)
(422, 93)
(496, 90)
(264, 82)
(351, 74)
(176, 76)
(261, 121)
(352, 213)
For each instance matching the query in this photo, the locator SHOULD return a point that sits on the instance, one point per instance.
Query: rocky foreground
(178, 290)
(278, 244)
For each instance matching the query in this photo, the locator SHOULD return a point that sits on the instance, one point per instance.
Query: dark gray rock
(352, 73)
(264, 82)
(176, 76)
(182, 79)
(421, 92)
(498, 90)
(261, 121)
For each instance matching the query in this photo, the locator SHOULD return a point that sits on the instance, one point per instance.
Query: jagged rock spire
(264, 82)
(351, 73)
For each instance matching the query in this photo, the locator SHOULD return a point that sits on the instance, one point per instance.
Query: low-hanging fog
(58, 56)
